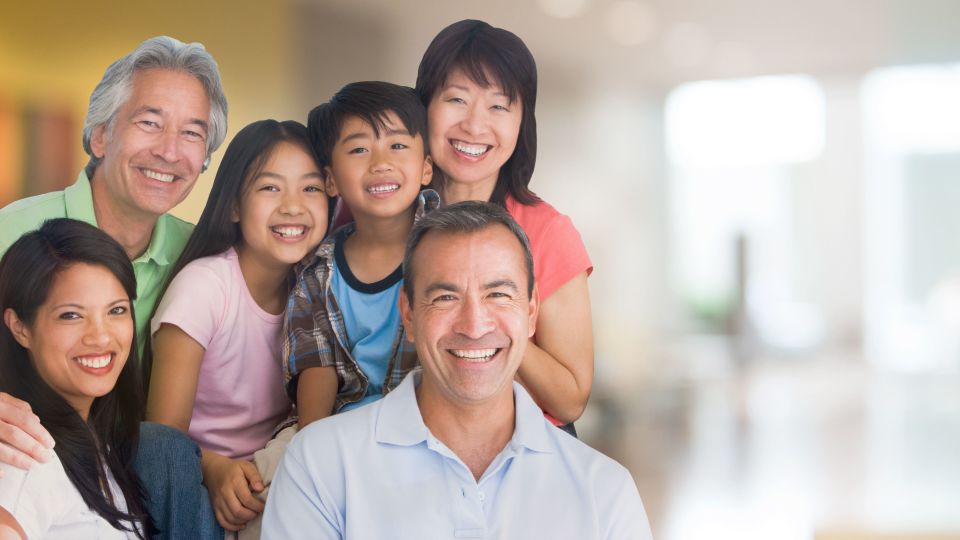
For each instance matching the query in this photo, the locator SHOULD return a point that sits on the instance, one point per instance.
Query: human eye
(148, 125)
(68, 316)
(503, 108)
(193, 135)
(271, 188)
(443, 298)
(398, 146)
(119, 310)
(357, 150)
(313, 188)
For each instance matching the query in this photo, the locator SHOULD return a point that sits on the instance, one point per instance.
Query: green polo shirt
(169, 237)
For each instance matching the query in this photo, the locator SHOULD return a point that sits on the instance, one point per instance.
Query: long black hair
(483, 53)
(245, 157)
(28, 271)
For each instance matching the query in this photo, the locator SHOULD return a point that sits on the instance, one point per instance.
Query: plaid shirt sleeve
(307, 334)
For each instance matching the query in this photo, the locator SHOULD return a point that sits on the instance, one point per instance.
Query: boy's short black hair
(370, 101)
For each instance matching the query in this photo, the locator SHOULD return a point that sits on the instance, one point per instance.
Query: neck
(132, 230)
(267, 283)
(383, 232)
(476, 434)
(454, 191)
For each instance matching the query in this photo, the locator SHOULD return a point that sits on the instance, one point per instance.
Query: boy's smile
(378, 175)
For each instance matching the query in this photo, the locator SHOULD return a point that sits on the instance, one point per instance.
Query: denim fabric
(168, 464)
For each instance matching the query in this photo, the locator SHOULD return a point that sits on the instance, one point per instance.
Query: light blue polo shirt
(378, 472)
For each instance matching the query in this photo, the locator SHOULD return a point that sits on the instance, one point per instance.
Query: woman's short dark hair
(488, 56)
(28, 272)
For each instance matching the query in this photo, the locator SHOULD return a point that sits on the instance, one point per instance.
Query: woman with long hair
(66, 295)
(479, 84)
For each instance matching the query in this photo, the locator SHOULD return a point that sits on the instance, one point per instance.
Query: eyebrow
(366, 135)
(159, 112)
(72, 305)
(465, 89)
(495, 284)
(277, 176)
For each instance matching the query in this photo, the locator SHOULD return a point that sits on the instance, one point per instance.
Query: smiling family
(386, 266)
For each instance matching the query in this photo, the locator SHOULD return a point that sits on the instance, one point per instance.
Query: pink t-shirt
(240, 397)
(558, 251)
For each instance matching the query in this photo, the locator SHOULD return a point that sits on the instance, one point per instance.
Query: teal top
(152, 268)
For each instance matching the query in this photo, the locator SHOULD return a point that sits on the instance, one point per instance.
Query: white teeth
(383, 188)
(471, 149)
(158, 176)
(94, 362)
(288, 231)
(475, 355)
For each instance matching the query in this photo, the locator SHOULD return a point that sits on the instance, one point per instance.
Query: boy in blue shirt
(344, 345)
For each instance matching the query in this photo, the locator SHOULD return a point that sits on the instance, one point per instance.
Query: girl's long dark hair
(28, 271)
(244, 158)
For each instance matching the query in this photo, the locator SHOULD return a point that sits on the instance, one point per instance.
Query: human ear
(406, 315)
(330, 187)
(98, 141)
(19, 330)
(427, 171)
(534, 311)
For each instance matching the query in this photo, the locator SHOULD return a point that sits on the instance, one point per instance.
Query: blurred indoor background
(768, 188)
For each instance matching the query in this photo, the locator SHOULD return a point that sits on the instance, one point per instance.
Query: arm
(173, 390)
(557, 370)
(22, 438)
(176, 372)
(9, 527)
(316, 392)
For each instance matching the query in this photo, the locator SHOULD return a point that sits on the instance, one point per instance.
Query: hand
(22, 439)
(232, 484)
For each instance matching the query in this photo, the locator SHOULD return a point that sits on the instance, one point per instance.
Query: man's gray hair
(463, 217)
(161, 52)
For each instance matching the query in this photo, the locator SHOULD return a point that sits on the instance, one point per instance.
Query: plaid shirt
(316, 336)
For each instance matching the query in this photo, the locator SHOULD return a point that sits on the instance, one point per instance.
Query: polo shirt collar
(400, 423)
(78, 200)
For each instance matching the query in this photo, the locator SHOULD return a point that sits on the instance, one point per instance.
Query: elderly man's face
(471, 316)
(154, 150)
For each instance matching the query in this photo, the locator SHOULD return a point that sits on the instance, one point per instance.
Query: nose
(475, 119)
(474, 319)
(97, 333)
(380, 162)
(168, 146)
(291, 203)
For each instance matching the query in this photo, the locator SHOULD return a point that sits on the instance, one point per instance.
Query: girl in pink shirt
(216, 371)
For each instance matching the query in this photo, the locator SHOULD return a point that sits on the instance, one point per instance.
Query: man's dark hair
(489, 55)
(369, 101)
(463, 217)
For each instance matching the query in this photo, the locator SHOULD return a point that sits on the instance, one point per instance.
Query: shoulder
(18, 485)
(28, 214)
(540, 219)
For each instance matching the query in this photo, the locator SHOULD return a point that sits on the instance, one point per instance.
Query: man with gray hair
(458, 450)
(153, 122)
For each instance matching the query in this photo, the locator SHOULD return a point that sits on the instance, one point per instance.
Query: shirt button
(482, 496)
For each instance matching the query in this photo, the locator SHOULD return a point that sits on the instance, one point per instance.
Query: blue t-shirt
(371, 317)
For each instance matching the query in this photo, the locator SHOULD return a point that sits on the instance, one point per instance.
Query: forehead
(84, 283)
(171, 92)
(473, 258)
(387, 121)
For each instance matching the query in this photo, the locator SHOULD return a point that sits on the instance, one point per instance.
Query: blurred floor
(794, 448)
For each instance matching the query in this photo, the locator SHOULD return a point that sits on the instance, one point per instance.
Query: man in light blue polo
(458, 450)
